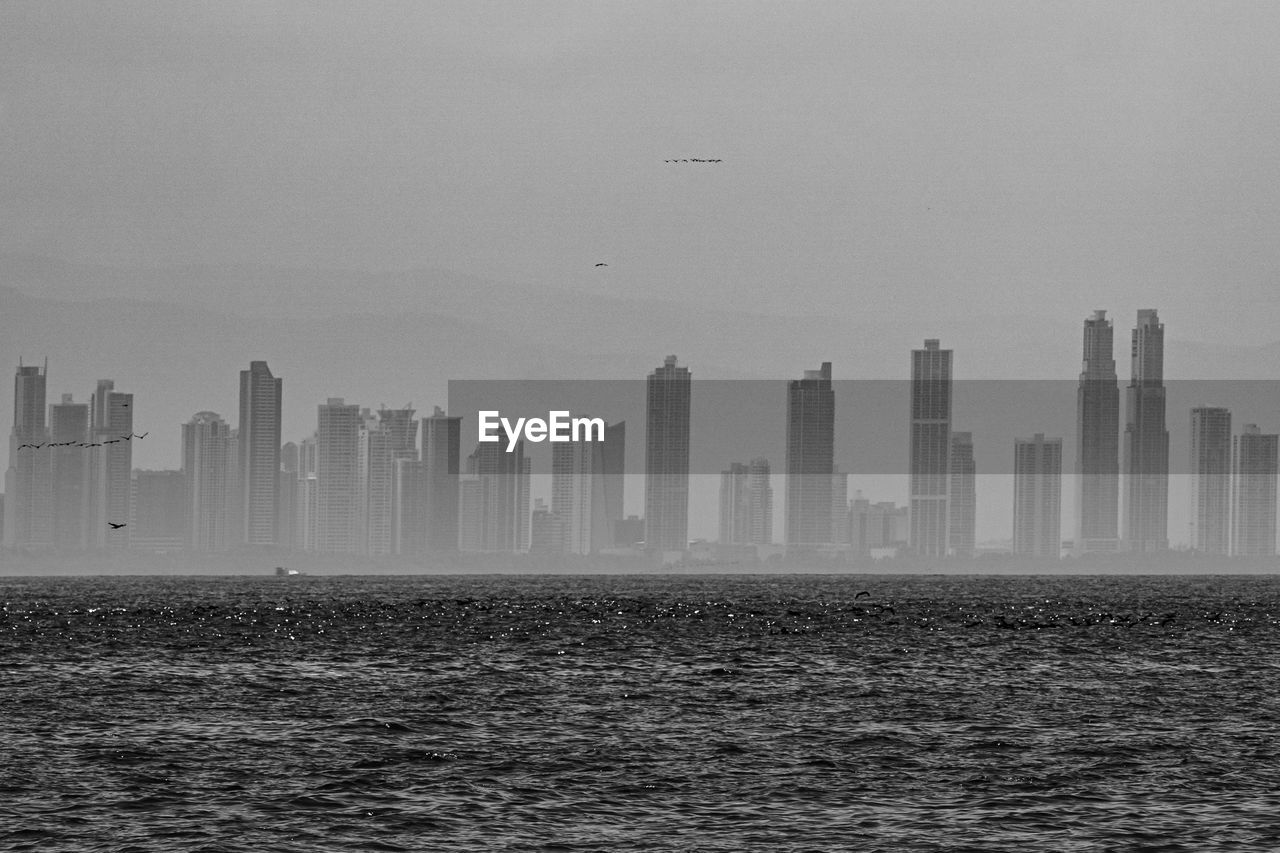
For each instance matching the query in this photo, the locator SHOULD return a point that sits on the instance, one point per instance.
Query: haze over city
(377, 204)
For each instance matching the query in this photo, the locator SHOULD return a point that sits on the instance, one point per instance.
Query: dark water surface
(640, 713)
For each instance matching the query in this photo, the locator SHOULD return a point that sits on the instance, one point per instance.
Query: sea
(640, 713)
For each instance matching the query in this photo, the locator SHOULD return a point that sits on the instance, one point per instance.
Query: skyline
(1146, 375)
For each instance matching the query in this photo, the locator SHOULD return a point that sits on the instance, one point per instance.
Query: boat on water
(282, 572)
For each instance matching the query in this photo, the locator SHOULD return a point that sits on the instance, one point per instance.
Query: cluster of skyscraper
(369, 484)
(1235, 478)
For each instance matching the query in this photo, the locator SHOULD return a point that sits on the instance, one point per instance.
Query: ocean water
(641, 713)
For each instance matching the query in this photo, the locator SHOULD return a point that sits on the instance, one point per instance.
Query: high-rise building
(746, 504)
(68, 432)
(337, 508)
(29, 521)
(546, 532)
(962, 496)
(1037, 497)
(384, 442)
(666, 457)
(733, 504)
(110, 459)
(586, 490)
(441, 443)
(209, 473)
(1253, 514)
(1097, 492)
(502, 497)
(839, 507)
(930, 449)
(306, 499)
(875, 526)
(287, 497)
(258, 454)
(1146, 447)
(1210, 480)
(811, 404)
(158, 518)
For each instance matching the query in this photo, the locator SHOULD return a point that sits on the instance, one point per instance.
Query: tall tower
(383, 443)
(337, 512)
(962, 495)
(930, 449)
(208, 458)
(441, 443)
(666, 457)
(1037, 497)
(110, 466)
(502, 499)
(586, 490)
(69, 427)
(746, 504)
(811, 406)
(1254, 513)
(259, 454)
(1146, 441)
(28, 502)
(1097, 492)
(1210, 480)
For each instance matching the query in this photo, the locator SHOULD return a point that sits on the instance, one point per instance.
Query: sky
(907, 169)
(927, 159)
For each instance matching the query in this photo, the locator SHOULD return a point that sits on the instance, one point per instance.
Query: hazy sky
(940, 158)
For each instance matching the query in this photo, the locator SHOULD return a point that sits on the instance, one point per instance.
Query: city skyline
(384, 476)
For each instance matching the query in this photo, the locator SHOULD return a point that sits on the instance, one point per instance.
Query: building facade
(666, 457)
(1146, 441)
(810, 441)
(930, 449)
(1097, 487)
(1037, 497)
(1211, 480)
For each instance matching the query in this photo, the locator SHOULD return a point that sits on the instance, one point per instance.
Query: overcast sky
(937, 158)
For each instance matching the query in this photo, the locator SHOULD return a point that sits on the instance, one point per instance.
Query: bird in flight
(602, 265)
(116, 525)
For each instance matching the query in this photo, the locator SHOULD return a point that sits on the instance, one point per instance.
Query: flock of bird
(691, 160)
(84, 443)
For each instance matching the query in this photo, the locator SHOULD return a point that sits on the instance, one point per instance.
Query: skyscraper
(69, 426)
(930, 449)
(501, 499)
(746, 504)
(306, 498)
(1146, 447)
(962, 496)
(1097, 492)
(1253, 514)
(29, 478)
(259, 454)
(811, 405)
(441, 443)
(666, 457)
(337, 510)
(1037, 497)
(839, 507)
(110, 467)
(586, 490)
(384, 442)
(287, 497)
(208, 460)
(1210, 480)
(159, 519)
